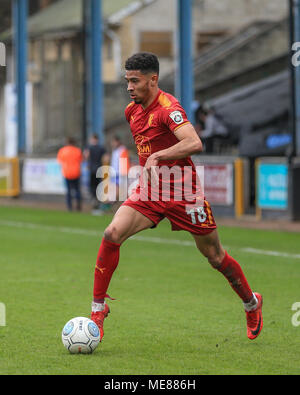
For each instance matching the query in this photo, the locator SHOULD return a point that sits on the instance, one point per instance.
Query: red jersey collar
(153, 104)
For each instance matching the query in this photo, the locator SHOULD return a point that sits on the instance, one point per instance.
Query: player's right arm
(188, 144)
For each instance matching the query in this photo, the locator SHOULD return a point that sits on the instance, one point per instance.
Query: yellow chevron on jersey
(130, 104)
(164, 101)
(150, 120)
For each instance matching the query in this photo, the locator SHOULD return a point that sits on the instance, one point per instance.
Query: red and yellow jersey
(153, 128)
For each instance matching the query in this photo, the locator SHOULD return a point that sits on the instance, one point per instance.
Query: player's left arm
(188, 144)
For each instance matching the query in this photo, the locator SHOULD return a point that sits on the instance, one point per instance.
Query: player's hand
(150, 170)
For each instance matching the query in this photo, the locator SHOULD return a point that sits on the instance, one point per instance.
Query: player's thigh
(126, 222)
(210, 246)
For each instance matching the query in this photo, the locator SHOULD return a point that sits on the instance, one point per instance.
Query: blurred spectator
(70, 158)
(209, 126)
(120, 163)
(94, 154)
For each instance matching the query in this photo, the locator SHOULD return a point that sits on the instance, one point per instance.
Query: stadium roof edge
(230, 44)
(66, 15)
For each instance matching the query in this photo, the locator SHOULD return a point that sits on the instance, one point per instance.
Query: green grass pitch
(174, 314)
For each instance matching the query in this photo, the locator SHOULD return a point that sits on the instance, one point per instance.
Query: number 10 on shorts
(197, 214)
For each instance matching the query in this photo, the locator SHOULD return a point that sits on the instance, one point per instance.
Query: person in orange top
(70, 158)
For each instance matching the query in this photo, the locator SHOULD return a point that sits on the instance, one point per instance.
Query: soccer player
(164, 137)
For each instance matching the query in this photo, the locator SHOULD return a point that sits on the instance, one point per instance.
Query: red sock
(234, 274)
(107, 262)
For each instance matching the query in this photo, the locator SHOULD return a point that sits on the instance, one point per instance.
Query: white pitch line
(147, 239)
(270, 253)
(86, 232)
(27, 225)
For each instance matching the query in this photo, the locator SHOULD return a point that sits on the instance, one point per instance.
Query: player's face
(140, 86)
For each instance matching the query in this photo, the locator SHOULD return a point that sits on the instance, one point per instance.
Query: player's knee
(111, 234)
(214, 257)
(216, 262)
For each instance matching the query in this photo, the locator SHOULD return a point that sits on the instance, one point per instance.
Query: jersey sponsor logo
(143, 146)
(177, 117)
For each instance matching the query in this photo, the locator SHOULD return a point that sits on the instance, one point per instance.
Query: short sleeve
(174, 117)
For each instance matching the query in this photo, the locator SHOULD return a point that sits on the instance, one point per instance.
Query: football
(80, 335)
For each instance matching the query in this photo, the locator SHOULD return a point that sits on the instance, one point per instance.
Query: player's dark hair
(145, 62)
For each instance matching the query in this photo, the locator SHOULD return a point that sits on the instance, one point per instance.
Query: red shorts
(196, 220)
